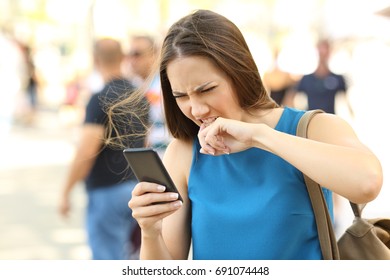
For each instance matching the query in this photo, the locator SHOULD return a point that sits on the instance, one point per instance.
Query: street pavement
(33, 164)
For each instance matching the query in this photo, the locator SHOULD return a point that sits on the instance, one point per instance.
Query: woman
(235, 158)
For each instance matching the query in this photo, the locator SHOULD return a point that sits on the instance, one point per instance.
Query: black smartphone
(147, 166)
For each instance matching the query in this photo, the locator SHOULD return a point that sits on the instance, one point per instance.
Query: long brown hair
(206, 33)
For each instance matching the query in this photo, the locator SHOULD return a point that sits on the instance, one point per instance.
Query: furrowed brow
(201, 87)
(196, 89)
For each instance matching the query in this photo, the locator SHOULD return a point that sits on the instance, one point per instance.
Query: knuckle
(134, 191)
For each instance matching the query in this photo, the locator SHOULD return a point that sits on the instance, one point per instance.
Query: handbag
(365, 239)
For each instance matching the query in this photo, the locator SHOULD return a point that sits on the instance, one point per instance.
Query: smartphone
(147, 166)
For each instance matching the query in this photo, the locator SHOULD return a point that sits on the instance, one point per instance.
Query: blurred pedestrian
(32, 84)
(11, 79)
(142, 59)
(103, 168)
(322, 86)
(279, 83)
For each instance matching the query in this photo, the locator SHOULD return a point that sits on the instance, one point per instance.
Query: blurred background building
(56, 38)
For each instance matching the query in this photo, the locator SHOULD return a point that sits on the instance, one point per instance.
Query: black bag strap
(325, 230)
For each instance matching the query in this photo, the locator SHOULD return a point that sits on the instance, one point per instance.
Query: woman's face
(202, 91)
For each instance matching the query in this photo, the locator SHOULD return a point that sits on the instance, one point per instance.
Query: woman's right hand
(150, 204)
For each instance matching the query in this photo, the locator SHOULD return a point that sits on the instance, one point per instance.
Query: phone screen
(147, 166)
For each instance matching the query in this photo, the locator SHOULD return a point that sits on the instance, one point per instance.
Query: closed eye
(208, 89)
(179, 95)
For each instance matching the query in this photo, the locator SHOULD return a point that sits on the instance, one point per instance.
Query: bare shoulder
(332, 129)
(178, 150)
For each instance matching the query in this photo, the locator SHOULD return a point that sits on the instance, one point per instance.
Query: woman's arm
(177, 227)
(162, 223)
(332, 155)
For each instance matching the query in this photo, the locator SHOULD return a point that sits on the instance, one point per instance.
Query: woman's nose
(198, 108)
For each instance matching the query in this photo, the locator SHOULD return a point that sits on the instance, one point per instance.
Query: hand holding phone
(148, 167)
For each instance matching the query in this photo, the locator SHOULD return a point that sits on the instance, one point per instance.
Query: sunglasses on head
(137, 53)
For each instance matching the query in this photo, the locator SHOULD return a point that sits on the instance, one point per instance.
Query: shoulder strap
(326, 234)
(357, 209)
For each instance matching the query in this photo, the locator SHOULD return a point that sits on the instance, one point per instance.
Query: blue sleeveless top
(252, 205)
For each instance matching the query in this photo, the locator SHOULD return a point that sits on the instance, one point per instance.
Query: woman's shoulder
(330, 128)
(179, 152)
(177, 146)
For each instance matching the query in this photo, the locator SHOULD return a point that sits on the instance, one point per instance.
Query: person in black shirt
(322, 86)
(102, 167)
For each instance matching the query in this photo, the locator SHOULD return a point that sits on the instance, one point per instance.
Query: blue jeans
(110, 223)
